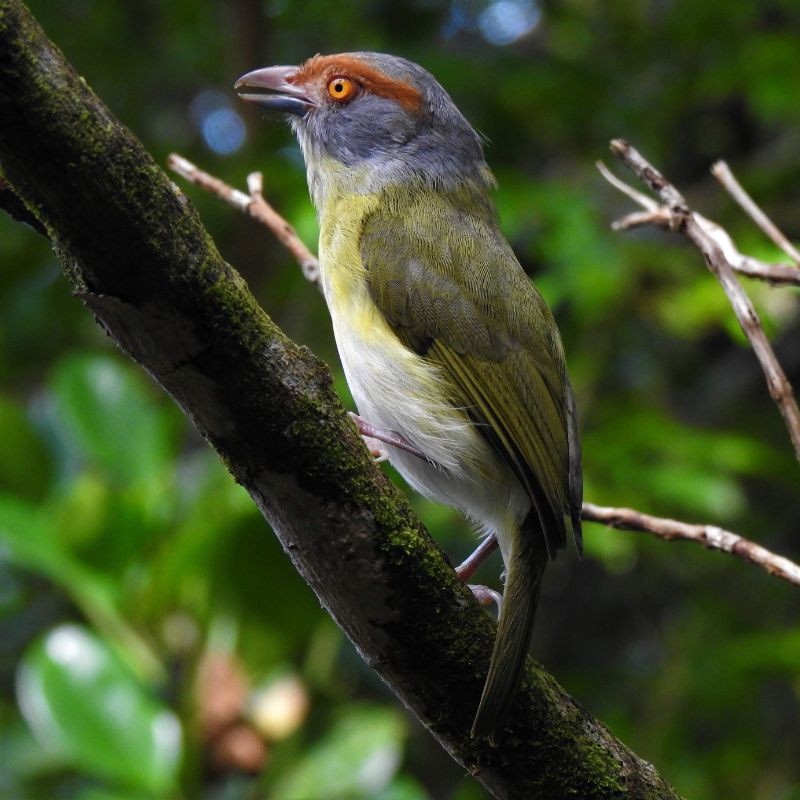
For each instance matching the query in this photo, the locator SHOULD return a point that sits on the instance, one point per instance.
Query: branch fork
(722, 258)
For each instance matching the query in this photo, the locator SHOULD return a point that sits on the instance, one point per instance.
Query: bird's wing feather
(451, 288)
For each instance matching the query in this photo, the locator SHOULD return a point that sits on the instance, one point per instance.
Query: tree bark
(132, 246)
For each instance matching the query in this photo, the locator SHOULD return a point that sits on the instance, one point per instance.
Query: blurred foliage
(155, 641)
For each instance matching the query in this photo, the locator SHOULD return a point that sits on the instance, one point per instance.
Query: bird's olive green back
(450, 286)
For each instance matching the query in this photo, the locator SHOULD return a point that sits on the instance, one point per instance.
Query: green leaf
(82, 704)
(357, 758)
(110, 417)
(28, 538)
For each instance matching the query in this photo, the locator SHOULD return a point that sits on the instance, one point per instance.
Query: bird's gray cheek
(364, 129)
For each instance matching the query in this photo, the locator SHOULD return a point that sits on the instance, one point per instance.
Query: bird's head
(371, 119)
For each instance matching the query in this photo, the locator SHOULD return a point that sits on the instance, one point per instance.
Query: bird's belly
(397, 390)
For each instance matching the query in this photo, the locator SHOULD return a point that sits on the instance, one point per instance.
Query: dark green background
(117, 519)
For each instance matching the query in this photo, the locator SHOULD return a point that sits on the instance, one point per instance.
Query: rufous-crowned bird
(448, 348)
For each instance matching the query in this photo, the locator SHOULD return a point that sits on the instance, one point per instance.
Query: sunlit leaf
(645, 453)
(110, 417)
(82, 704)
(29, 540)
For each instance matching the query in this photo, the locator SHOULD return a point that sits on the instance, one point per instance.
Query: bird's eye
(340, 89)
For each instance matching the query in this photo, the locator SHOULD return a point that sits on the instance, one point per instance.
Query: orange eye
(340, 89)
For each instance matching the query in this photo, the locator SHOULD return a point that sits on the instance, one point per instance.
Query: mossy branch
(138, 257)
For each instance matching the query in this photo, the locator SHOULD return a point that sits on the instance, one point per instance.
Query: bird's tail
(524, 571)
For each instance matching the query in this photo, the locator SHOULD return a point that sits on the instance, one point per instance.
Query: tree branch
(255, 206)
(720, 256)
(708, 535)
(662, 217)
(134, 249)
(624, 518)
(14, 206)
(722, 172)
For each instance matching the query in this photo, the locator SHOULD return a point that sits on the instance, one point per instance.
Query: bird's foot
(486, 596)
(374, 438)
(466, 569)
(377, 449)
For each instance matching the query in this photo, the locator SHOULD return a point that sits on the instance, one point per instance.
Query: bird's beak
(274, 91)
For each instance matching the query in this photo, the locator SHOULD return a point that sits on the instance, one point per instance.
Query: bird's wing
(451, 288)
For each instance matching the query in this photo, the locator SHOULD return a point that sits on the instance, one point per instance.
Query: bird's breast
(393, 387)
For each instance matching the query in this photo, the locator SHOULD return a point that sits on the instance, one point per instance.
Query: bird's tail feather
(525, 568)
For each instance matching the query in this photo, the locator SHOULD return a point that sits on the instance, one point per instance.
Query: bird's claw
(376, 449)
(486, 596)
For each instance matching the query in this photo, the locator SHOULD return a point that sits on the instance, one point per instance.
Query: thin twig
(722, 172)
(776, 274)
(720, 255)
(255, 206)
(638, 197)
(662, 217)
(753, 267)
(636, 219)
(708, 535)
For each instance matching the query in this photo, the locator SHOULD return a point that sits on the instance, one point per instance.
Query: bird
(447, 346)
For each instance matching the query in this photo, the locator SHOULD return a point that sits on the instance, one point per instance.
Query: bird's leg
(373, 436)
(486, 596)
(466, 569)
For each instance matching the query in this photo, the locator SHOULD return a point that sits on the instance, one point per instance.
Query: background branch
(722, 172)
(133, 248)
(720, 256)
(709, 536)
(662, 217)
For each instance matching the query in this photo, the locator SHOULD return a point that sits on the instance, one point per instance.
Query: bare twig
(662, 217)
(638, 197)
(775, 274)
(722, 172)
(255, 206)
(708, 535)
(637, 219)
(721, 256)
